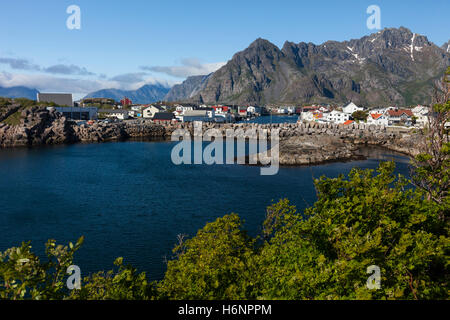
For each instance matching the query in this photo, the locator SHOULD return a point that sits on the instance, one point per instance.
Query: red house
(126, 102)
(221, 109)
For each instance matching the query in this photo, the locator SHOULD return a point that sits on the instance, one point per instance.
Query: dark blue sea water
(129, 200)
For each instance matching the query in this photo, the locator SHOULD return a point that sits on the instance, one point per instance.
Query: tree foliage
(23, 275)
(432, 166)
(360, 115)
(215, 264)
(356, 223)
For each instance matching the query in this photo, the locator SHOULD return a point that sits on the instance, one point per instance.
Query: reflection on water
(383, 154)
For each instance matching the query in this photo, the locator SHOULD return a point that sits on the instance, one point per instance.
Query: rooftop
(163, 116)
(400, 112)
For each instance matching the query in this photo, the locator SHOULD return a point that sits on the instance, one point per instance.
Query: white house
(379, 119)
(282, 110)
(137, 108)
(311, 116)
(338, 116)
(288, 109)
(150, 111)
(350, 107)
(421, 115)
(118, 114)
(307, 116)
(254, 110)
(182, 109)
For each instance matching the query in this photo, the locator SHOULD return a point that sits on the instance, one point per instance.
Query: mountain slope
(393, 66)
(187, 89)
(146, 94)
(446, 46)
(19, 92)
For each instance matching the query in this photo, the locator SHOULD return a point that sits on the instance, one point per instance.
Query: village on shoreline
(316, 134)
(89, 110)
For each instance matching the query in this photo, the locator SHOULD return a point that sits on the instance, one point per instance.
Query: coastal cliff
(38, 126)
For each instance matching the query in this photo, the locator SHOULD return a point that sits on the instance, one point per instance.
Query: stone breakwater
(312, 143)
(300, 143)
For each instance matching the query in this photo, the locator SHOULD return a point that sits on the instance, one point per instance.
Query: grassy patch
(13, 119)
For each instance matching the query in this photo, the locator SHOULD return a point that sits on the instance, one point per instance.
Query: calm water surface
(129, 200)
(273, 119)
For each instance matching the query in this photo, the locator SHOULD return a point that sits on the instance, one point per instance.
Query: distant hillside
(19, 92)
(390, 67)
(187, 89)
(146, 94)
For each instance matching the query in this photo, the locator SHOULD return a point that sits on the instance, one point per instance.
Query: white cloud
(65, 69)
(79, 87)
(129, 77)
(189, 67)
(68, 69)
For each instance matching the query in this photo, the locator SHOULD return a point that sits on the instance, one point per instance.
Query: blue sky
(128, 43)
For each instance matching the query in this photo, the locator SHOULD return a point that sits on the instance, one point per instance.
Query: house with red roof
(310, 108)
(378, 119)
(399, 116)
(221, 109)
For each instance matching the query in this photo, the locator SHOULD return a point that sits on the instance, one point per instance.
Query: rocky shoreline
(300, 143)
(39, 126)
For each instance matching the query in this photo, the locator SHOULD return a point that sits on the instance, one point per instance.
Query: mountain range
(146, 94)
(392, 66)
(19, 92)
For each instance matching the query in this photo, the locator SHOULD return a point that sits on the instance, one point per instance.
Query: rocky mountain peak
(261, 48)
(262, 43)
(383, 68)
(397, 38)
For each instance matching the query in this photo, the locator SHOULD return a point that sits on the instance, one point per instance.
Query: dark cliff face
(393, 66)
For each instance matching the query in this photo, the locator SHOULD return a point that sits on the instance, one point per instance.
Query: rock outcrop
(312, 143)
(39, 126)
